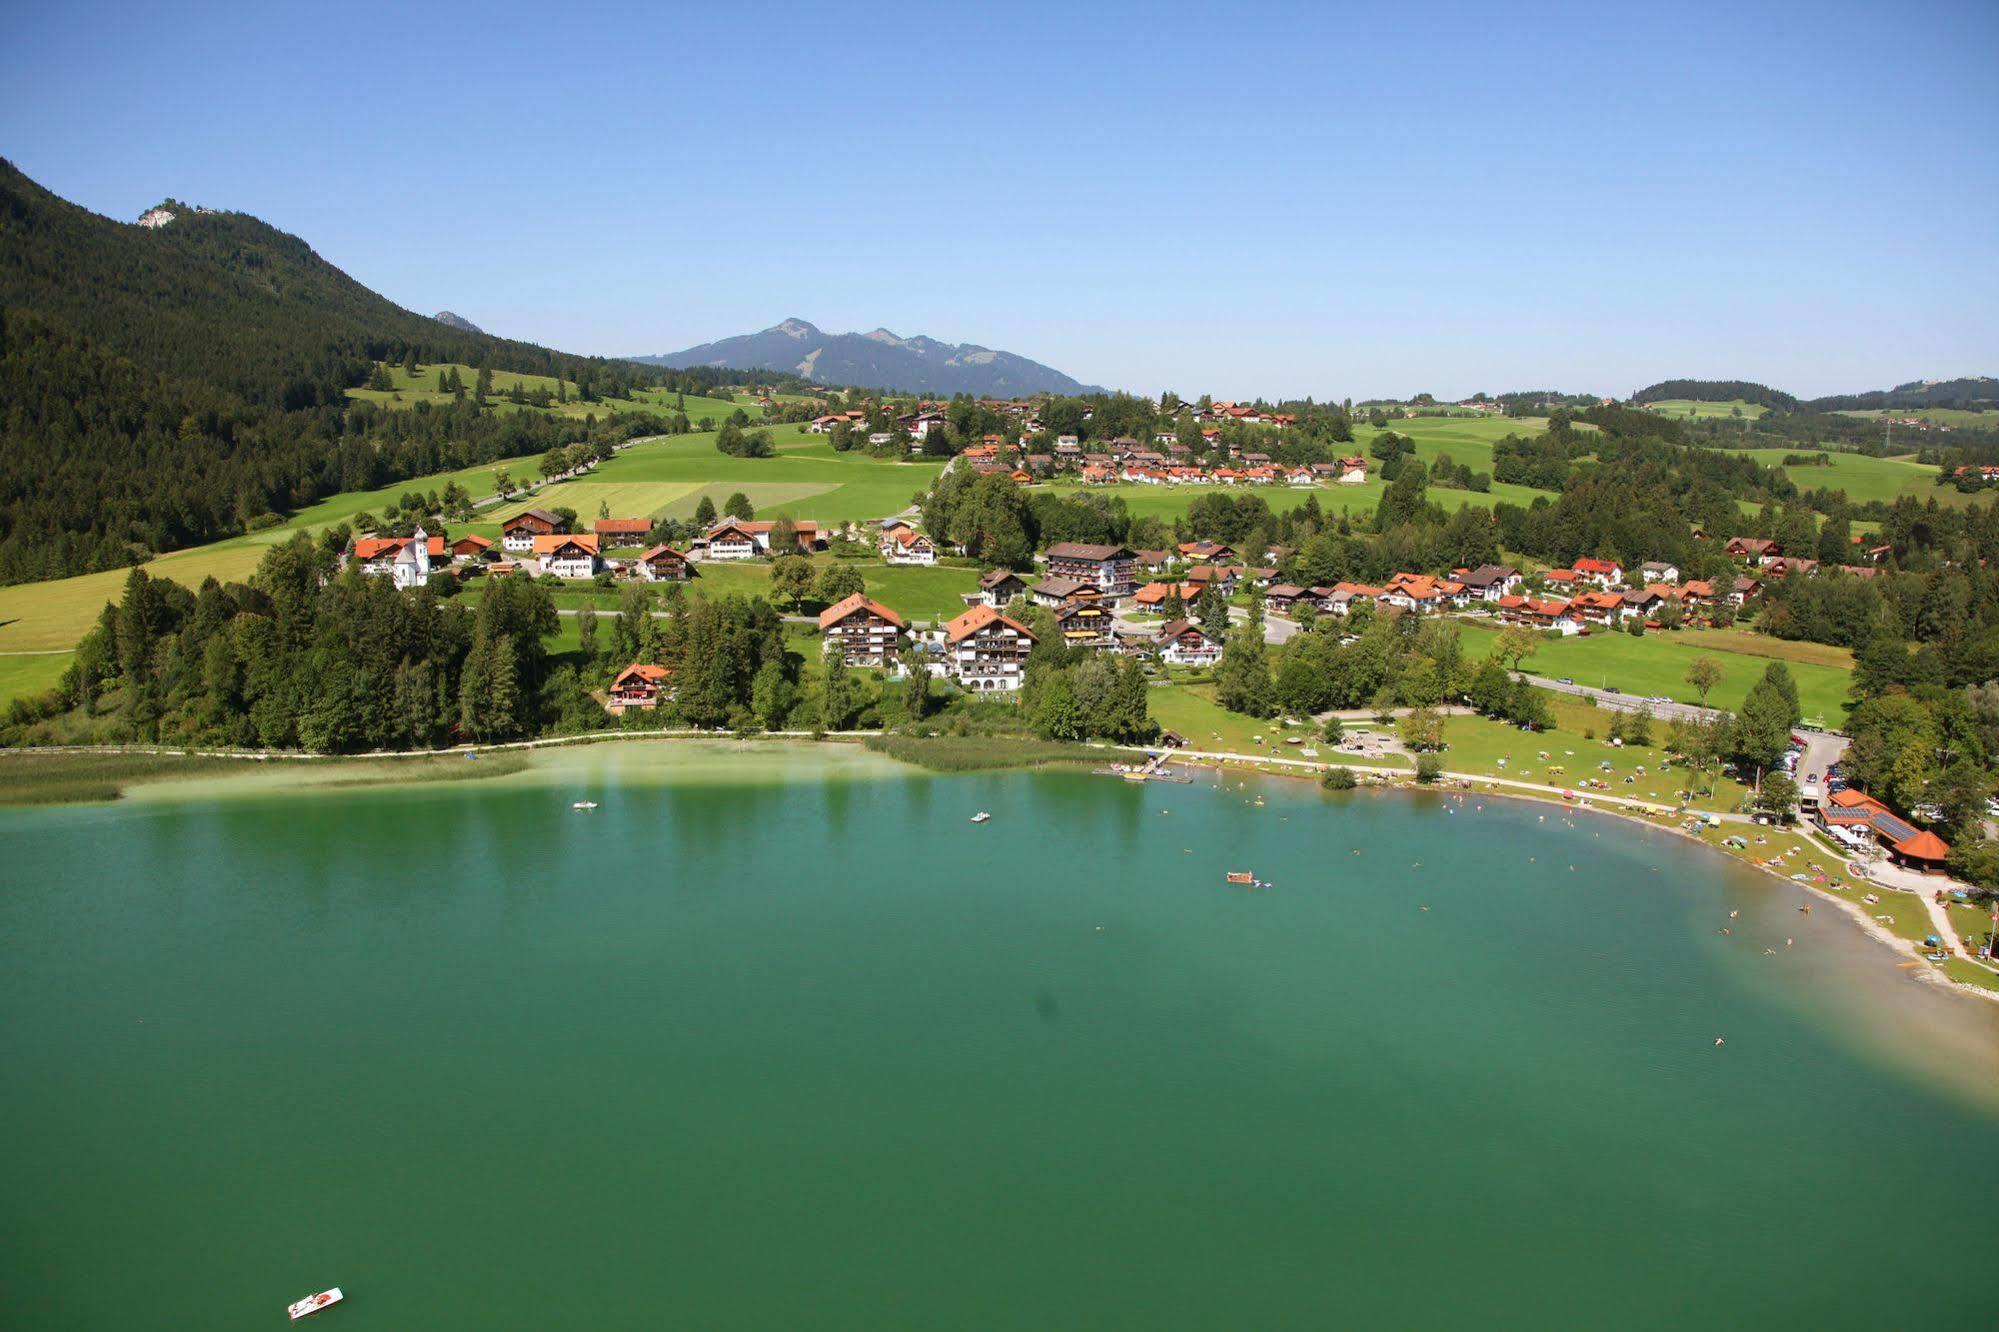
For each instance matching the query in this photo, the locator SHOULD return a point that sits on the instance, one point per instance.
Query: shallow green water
(820, 1054)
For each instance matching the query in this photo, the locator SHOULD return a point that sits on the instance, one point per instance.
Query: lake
(778, 1039)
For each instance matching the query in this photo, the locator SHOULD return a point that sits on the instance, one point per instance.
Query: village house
(518, 532)
(997, 587)
(1753, 549)
(1285, 598)
(638, 687)
(1786, 566)
(1184, 643)
(986, 652)
(407, 560)
(1642, 603)
(1540, 614)
(1055, 591)
(906, 545)
(470, 547)
(1603, 608)
(1345, 596)
(663, 564)
(730, 540)
(1153, 596)
(1490, 582)
(861, 631)
(1603, 573)
(567, 555)
(1564, 581)
(1658, 571)
(1206, 552)
(1352, 471)
(1743, 590)
(1223, 576)
(1111, 569)
(613, 532)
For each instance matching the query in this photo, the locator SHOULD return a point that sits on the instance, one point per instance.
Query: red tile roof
(841, 609)
(980, 617)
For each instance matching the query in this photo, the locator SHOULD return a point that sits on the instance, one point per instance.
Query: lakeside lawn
(1477, 744)
(1191, 710)
(1657, 665)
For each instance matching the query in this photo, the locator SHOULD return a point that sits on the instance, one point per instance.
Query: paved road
(1611, 698)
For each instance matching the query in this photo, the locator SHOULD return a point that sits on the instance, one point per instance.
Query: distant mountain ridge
(457, 321)
(879, 360)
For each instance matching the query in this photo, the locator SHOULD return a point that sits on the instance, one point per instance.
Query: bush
(1338, 779)
(1429, 767)
(262, 522)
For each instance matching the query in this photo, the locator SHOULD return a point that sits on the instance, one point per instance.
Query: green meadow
(1656, 665)
(1861, 477)
(412, 388)
(668, 479)
(1947, 416)
(1693, 409)
(807, 478)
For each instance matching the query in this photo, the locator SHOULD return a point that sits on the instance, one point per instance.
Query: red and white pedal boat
(312, 1304)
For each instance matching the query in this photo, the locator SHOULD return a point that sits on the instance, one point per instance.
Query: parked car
(1566, 680)
(1612, 689)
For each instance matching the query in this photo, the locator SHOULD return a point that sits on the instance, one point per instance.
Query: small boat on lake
(584, 804)
(312, 1304)
(980, 817)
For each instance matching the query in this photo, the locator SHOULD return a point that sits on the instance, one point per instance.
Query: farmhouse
(637, 687)
(518, 532)
(1755, 549)
(566, 555)
(470, 547)
(1109, 568)
(997, 587)
(731, 539)
(986, 651)
(664, 564)
(861, 631)
(1184, 643)
(1353, 471)
(622, 531)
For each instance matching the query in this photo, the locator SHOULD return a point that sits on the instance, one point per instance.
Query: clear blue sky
(1343, 200)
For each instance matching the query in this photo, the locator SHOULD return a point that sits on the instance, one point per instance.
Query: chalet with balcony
(1490, 582)
(997, 587)
(986, 652)
(1755, 550)
(1184, 643)
(638, 688)
(863, 632)
(664, 564)
(1111, 570)
(568, 555)
(1088, 623)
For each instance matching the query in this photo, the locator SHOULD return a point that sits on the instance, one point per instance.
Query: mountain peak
(878, 359)
(457, 321)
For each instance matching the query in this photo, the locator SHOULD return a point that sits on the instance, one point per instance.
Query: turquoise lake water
(791, 1044)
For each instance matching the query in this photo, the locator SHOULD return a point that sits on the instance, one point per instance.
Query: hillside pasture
(409, 389)
(1683, 409)
(667, 479)
(1863, 478)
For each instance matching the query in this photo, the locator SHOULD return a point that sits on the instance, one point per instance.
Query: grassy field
(1192, 711)
(1657, 664)
(1477, 744)
(1948, 416)
(410, 389)
(1861, 477)
(668, 478)
(912, 590)
(1688, 408)
(25, 675)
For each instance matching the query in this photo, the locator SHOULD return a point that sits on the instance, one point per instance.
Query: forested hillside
(169, 385)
